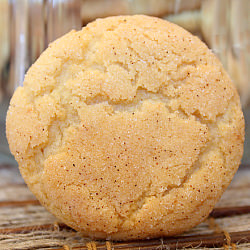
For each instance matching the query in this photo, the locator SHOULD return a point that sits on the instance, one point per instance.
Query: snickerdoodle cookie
(127, 129)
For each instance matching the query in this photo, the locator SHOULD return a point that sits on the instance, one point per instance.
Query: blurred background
(28, 26)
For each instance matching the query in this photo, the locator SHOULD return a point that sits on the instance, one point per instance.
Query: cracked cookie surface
(127, 129)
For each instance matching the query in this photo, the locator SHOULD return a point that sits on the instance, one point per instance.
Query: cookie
(127, 129)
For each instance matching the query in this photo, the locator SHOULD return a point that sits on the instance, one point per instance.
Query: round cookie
(127, 129)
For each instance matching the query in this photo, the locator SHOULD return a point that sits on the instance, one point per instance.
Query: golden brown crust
(129, 128)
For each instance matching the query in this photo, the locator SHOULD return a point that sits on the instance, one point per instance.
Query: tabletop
(25, 224)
